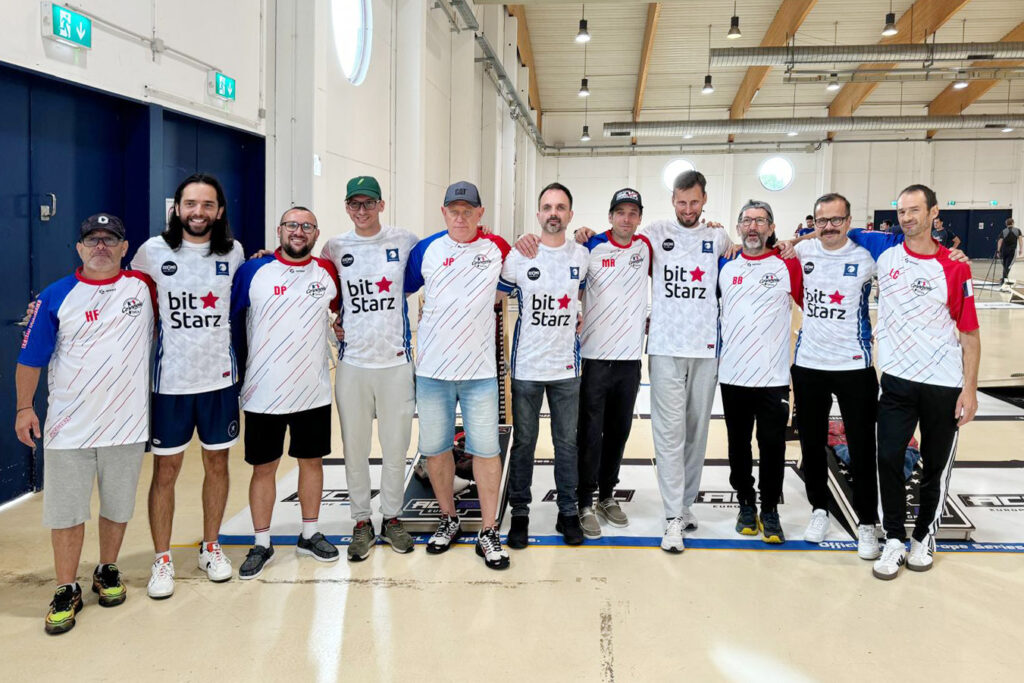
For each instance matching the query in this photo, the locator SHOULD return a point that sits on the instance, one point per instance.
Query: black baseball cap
(462, 191)
(626, 195)
(103, 221)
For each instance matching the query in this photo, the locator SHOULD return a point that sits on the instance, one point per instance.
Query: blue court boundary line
(655, 542)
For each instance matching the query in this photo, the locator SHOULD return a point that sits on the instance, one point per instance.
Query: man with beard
(546, 359)
(756, 288)
(280, 310)
(194, 375)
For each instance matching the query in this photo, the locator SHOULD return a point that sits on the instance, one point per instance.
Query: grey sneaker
(258, 558)
(609, 510)
(396, 536)
(317, 547)
(363, 540)
(588, 520)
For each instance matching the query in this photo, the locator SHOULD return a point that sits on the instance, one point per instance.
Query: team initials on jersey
(675, 276)
(607, 263)
(92, 316)
(448, 261)
(362, 295)
(541, 306)
(280, 289)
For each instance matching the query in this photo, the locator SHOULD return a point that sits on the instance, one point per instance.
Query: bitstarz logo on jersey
(547, 311)
(820, 304)
(679, 282)
(192, 312)
(364, 295)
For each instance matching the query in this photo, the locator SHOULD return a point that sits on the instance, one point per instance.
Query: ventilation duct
(677, 129)
(859, 54)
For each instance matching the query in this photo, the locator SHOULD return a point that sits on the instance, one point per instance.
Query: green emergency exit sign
(221, 85)
(69, 26)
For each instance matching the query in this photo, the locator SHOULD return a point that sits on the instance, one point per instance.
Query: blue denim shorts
(435, 403)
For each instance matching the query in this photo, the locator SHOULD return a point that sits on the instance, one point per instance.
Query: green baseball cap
(363, 185)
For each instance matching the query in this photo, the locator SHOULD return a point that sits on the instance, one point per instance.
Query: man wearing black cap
(614, 316)
(458, 269)
(374, 377)
(93, 329)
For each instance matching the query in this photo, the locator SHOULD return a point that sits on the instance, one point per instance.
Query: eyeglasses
(109, 240)
(368, 205)
(836, 221)
(292, 226)
(760, 222)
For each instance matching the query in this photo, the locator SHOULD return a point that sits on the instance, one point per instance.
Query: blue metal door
(983, 228)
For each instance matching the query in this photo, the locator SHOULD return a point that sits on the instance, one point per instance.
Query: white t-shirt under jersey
(373, 305)
(836, 329)
(193, 353)
(545, 347)
(684, 307)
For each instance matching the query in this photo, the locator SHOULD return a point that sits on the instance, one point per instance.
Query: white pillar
(410, 125)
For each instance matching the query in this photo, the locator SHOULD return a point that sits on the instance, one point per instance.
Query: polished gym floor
(559, 614)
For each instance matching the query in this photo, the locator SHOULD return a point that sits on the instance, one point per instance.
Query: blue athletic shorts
(177, 416)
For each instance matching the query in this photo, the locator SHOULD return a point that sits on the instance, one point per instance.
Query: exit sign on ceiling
(65, 25)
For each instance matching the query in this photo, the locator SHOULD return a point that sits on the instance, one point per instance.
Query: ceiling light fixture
(734, 25)
(1009, 86)
(833, 82)
(708, 88)
(584, 90)
(584, 35)
(961, 75)
(890, 23)
(586, 134)
(689, 107)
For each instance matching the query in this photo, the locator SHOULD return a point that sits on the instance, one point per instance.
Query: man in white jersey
(756, 288)
(374, 377)
(833, 357)
(194, 374)
(93, 329)
(546, 359)
(280, 308)
(458, 269)
(929, 347)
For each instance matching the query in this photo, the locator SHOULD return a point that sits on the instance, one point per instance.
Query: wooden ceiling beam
(653, 12)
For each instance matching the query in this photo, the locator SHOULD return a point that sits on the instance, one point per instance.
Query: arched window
(673, 169)
(775, 173)
(352, 21)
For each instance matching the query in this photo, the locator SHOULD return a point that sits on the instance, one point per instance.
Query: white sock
(263, 537)
(73, 585)
(309, 527)
(163, 553)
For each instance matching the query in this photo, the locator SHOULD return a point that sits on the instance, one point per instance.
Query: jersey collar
(611, 240)
(277, 255)
(771, 252)
(83, 278)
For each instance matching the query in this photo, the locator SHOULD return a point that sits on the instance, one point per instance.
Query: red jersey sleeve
(959, 293)
(333, 272)
(796, 280)
(650, 254)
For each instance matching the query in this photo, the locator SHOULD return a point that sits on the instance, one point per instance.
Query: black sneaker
(448, 529)
(317, 547)
(746, 520)
(771, 527)
(488, 546)
(519, 532)
(66, 604)
(569, 527)
(258, 558)
(107, 583)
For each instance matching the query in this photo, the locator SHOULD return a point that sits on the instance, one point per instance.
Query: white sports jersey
(615, 301)
(836, 330)
(684, 307)
(373, 306)
(96, 336)
(545, 347)
(922, 302)
(756, 314)
(286, 323)
(455, 340)
(193, 353)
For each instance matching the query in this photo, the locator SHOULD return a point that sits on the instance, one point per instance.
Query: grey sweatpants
(389, 394)
(682, 390)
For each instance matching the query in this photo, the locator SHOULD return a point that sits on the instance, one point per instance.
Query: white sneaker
(672, 541)
(214, 562)
(894, 554)
(817, 527)
(920, 558)
(867, 542)
(689, 520)
(161, 580)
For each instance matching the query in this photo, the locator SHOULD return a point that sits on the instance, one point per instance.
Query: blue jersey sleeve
(414, 266)
(240, 306)
(875, 242)
(41, 336)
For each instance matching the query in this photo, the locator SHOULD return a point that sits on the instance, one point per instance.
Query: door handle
(46, 212)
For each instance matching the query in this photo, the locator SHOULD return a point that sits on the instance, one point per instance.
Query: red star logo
(836, 298)
(696, 274)
(384, 285)
(564, 301)
(209, 301)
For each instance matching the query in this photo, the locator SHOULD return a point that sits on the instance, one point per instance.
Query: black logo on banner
(1003, 501)
(334, 496)
(620, 495)
(726, 498)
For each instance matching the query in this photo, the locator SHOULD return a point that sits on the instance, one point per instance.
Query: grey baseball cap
(462, 191)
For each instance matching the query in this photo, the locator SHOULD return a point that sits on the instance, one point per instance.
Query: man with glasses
(458, 269)
(756, 289)
(280, 316)
(833, 357)
(374, 377)
(93, 329)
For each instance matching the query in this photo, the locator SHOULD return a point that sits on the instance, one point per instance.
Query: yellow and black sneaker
(746, 520)
(66, 603)
(107, 583)
(771, 527)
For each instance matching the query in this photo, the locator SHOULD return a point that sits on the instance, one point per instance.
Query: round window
(775, 174)
(352, 21)
(672, 171)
